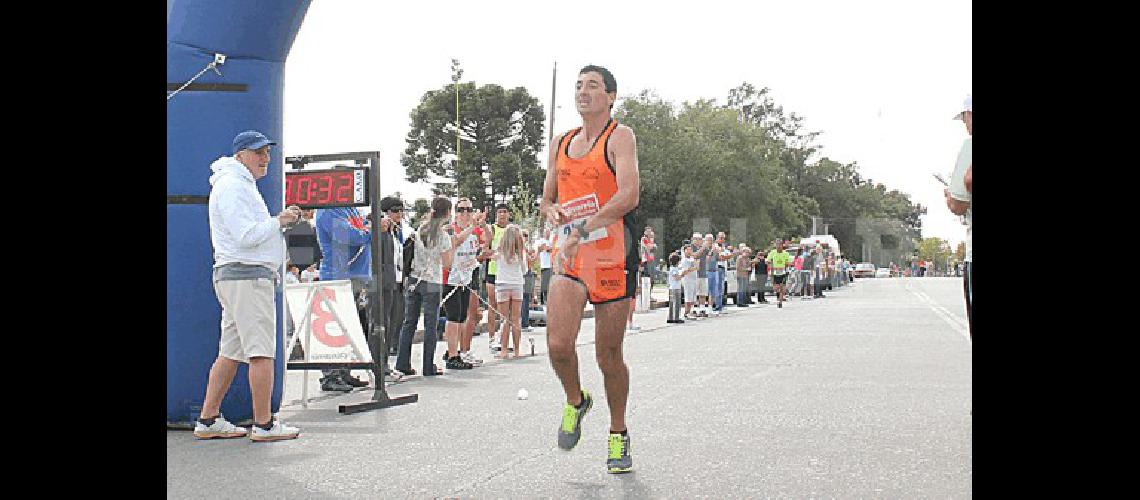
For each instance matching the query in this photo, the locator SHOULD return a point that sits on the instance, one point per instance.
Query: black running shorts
(455, 307)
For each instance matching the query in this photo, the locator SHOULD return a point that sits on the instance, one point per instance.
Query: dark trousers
(676, 297)
(393, 314)
(425, 297)
(968, 288)
(524, 314)
(741, 290)
(545, 285)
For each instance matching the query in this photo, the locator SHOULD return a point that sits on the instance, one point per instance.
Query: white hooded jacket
(241, 228)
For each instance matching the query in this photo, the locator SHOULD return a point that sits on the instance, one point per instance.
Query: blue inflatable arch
(255, 37)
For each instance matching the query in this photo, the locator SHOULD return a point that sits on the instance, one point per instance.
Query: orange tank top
(590, 174)
(586, 184)
(604, 263)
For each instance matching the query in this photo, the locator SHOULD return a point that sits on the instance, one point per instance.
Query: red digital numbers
(303, 186)
(324, 187)
(320, 188)
(343, 188)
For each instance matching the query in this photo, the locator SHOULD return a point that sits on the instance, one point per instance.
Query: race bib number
(578, 210)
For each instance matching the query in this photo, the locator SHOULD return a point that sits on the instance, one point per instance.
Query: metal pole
(375, 297)
(553, 104)
(378, 342)
(456, 128)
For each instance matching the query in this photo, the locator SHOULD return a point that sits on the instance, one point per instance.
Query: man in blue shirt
(345, 238)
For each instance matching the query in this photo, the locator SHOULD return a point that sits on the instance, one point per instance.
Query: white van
(832, 243)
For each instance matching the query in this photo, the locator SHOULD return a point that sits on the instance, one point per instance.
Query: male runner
(778, 261)
(589, 193)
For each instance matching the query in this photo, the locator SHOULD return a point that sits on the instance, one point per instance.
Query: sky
(881, 80)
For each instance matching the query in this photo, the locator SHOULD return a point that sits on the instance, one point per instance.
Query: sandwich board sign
(326, 322)
(327, 326)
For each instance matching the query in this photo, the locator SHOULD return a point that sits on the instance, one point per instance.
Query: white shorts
(690, 289)
(702, 285)
(508, 291)
(249, 319)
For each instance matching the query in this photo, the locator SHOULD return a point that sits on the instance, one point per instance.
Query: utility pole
(553, 103)
(456, 74)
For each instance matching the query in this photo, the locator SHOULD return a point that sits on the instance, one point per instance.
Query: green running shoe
(619, 460)
(571, 429)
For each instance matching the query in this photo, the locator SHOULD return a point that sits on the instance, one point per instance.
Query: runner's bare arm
(623, 149)
(549, 204)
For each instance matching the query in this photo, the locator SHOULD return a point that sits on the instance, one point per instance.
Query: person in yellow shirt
(778, 261)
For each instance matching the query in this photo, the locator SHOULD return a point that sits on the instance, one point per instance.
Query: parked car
(864, 270)
(883, 272)
(537, 315)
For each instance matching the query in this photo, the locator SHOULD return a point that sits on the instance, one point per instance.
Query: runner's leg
(610, 333)
(565, 303)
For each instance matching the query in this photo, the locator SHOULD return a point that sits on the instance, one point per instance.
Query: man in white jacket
(248, 250)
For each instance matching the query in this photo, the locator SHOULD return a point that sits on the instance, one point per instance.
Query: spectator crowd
(467, 272)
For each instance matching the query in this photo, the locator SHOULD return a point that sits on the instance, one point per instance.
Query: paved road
(865, 393)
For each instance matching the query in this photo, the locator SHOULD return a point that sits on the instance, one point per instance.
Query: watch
(581, 230)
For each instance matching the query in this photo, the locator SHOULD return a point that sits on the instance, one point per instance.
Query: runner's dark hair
(607, 77)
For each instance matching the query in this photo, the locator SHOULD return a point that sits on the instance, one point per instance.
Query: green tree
(500, 134)
(936, 250)
(524, 209)
(750, 160)
(418, 213)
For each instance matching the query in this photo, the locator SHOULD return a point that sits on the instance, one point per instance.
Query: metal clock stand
(376, 338)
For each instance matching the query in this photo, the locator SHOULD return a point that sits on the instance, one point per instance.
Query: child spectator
(676, 294)
(511, 261)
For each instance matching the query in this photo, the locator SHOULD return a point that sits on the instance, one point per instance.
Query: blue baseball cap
(251, 139)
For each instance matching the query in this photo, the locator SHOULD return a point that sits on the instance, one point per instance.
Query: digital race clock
(340, 187)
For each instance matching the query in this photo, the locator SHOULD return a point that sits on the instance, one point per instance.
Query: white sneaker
(470, 358)
(221, 429)
(278, 432)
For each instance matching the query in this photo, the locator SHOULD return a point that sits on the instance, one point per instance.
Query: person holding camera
(959, 199)
(392, 234)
